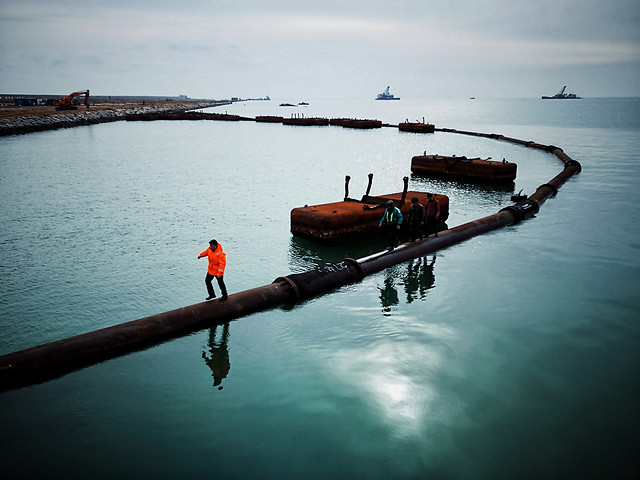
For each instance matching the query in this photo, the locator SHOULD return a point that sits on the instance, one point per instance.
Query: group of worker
(421, 219)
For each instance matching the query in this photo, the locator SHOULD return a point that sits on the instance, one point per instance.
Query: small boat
(287, 105)
(350, 219)
(464, 168)
(355, 123)
(386, 95)
(562, 96)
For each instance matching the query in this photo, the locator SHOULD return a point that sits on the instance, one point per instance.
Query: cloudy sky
(321, 48)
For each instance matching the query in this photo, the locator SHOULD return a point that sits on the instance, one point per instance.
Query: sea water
(511, 355)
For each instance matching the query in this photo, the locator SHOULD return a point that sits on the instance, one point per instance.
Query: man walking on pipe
(217, 263)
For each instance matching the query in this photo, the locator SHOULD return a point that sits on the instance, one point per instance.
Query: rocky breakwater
(52, 120)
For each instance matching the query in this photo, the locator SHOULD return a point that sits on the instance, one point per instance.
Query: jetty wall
(82, 116)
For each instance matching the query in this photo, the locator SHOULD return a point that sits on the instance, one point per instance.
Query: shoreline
(23, 120)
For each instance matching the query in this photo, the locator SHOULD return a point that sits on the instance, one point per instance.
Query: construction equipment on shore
(67, 102)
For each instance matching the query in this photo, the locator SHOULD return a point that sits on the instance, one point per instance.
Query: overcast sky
(321, 48)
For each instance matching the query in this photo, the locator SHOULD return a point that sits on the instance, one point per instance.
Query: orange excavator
(67, 102)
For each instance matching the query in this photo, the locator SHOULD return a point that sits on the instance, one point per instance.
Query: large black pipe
(53, 359)
(50, 360)
(407, 251)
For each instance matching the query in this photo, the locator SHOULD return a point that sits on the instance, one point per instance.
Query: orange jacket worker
(217, 263)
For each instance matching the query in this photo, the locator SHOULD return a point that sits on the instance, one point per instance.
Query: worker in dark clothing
(217, 263)
(390, 223)
(431, 214)
(416, 218)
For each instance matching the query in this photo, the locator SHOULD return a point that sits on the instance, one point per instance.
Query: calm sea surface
(515, 354)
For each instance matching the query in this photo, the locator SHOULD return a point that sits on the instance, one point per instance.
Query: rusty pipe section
(321, 280)
(54, 359)
(346, 187)
(407, 251)
(369, 184)
(404, 190)
(571, 167)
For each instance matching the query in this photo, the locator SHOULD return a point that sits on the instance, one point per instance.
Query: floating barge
(350, 219)
(417, 127)
(269, 119)
(356, 123)
(474, 169)
(306, 121)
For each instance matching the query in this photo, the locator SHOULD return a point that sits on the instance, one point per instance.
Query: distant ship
(386, 96)
(562, 96)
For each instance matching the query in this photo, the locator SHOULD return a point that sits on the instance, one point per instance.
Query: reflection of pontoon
(562, 96)
(341, 221)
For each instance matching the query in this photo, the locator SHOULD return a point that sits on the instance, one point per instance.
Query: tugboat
(386, 96)
(562, 96)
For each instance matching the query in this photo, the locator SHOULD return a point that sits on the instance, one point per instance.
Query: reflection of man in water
(420, 278)
(388, 294)
(218, 360)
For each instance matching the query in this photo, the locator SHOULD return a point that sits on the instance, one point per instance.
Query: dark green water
(512, 355)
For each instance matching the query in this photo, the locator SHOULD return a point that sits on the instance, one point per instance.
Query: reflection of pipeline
(57, 358)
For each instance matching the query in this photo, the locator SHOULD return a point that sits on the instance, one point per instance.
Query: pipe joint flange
(291, 283)
(548, 185)
(522, 210)
(514, 211)
(573, 163)
(356, 266)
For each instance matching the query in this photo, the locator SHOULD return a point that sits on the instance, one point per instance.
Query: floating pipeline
(51, 360)
(474, 169)
(44, 362)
